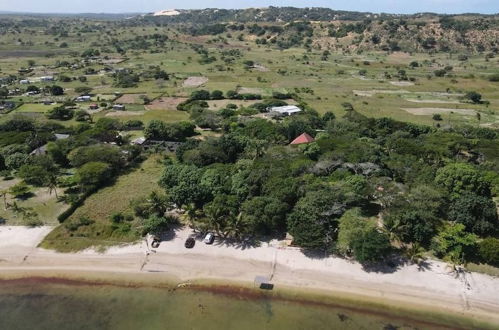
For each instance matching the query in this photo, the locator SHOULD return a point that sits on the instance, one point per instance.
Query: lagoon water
(59, 305)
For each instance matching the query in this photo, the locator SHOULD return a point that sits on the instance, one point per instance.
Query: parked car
(190, 242)
(209, 238)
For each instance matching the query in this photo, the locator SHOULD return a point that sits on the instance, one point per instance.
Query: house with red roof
(303, 139)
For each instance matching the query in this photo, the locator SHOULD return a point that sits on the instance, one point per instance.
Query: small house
(303, 139)
(286, 110)
(93, 106)
(61, 136)
(84, 98)
(39, 151)
(139, 141)
(119, 107)
(47, 78)
(24, 81)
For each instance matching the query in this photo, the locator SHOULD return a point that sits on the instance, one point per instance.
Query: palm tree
(4, 195)
(191, 213)
(158, 203)
(415, 254)
(52, 185)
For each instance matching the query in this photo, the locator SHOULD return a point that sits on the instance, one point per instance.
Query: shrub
(489, 251)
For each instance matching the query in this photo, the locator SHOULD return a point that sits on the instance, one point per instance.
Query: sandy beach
(435, 286)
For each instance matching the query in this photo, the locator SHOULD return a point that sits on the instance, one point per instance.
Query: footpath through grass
(90, 224)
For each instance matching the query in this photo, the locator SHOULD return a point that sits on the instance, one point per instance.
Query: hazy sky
(121, 6)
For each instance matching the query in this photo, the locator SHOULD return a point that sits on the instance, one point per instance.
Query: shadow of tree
(387, 266)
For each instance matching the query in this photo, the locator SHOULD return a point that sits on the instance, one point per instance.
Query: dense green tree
(60, 113)
(93, 174)
(412, 225)
(156, 224)
(159, 130)
(370, 246)
(314, 219)
(454, 244)
(16, 160)
(489, 251)
(351, 225)
(38, 171)
(200, 95)
(473, 97)
(223, 216)
(265, 215)
(111, 155)
(477, 213)
(56, 90)
(183, 184)
(457, 178)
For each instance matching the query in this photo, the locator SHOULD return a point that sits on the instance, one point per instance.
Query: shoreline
(432, 290)
(422, 315)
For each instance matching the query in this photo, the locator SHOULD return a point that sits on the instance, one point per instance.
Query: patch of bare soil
(195, 81)
(432, 111)
(250, 90)
(433, 101)
(260, 68)
(130, 99)
(373, 92)
(402, 83)
(166, 103)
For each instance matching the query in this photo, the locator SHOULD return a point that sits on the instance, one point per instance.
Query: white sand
(402, 83)
(433, 101)
(195, 81)
(469, 294)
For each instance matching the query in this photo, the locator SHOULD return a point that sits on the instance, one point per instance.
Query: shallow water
(28, 304)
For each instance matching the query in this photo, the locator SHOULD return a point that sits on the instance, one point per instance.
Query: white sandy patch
(260, 68)
(431, 111)
(22, 236)
(433, 101)
(195, 81)
(402, 83)
(373, 92)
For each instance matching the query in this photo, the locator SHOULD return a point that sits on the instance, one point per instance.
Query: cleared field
(431, 111)
(195, 81)
(166, 103)
(35, 107)
(134, 98)
(44, 205)
(101, 205)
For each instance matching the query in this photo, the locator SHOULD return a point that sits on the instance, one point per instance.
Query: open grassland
(100, 206)
(38, 108)
(40, 201)
(368, 80)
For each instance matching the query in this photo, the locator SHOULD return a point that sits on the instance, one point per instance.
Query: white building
(84, 98)
(47, 78)
(286, 110)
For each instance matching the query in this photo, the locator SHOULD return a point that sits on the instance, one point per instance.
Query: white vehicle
(209, 238)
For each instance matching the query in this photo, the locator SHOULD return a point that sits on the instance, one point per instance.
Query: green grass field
(101, 205)
(34, 107)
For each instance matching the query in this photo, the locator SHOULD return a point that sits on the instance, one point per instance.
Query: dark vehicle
(155, 243)
(190, 242)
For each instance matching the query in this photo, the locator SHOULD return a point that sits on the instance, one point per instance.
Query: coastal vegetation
(402, 111)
